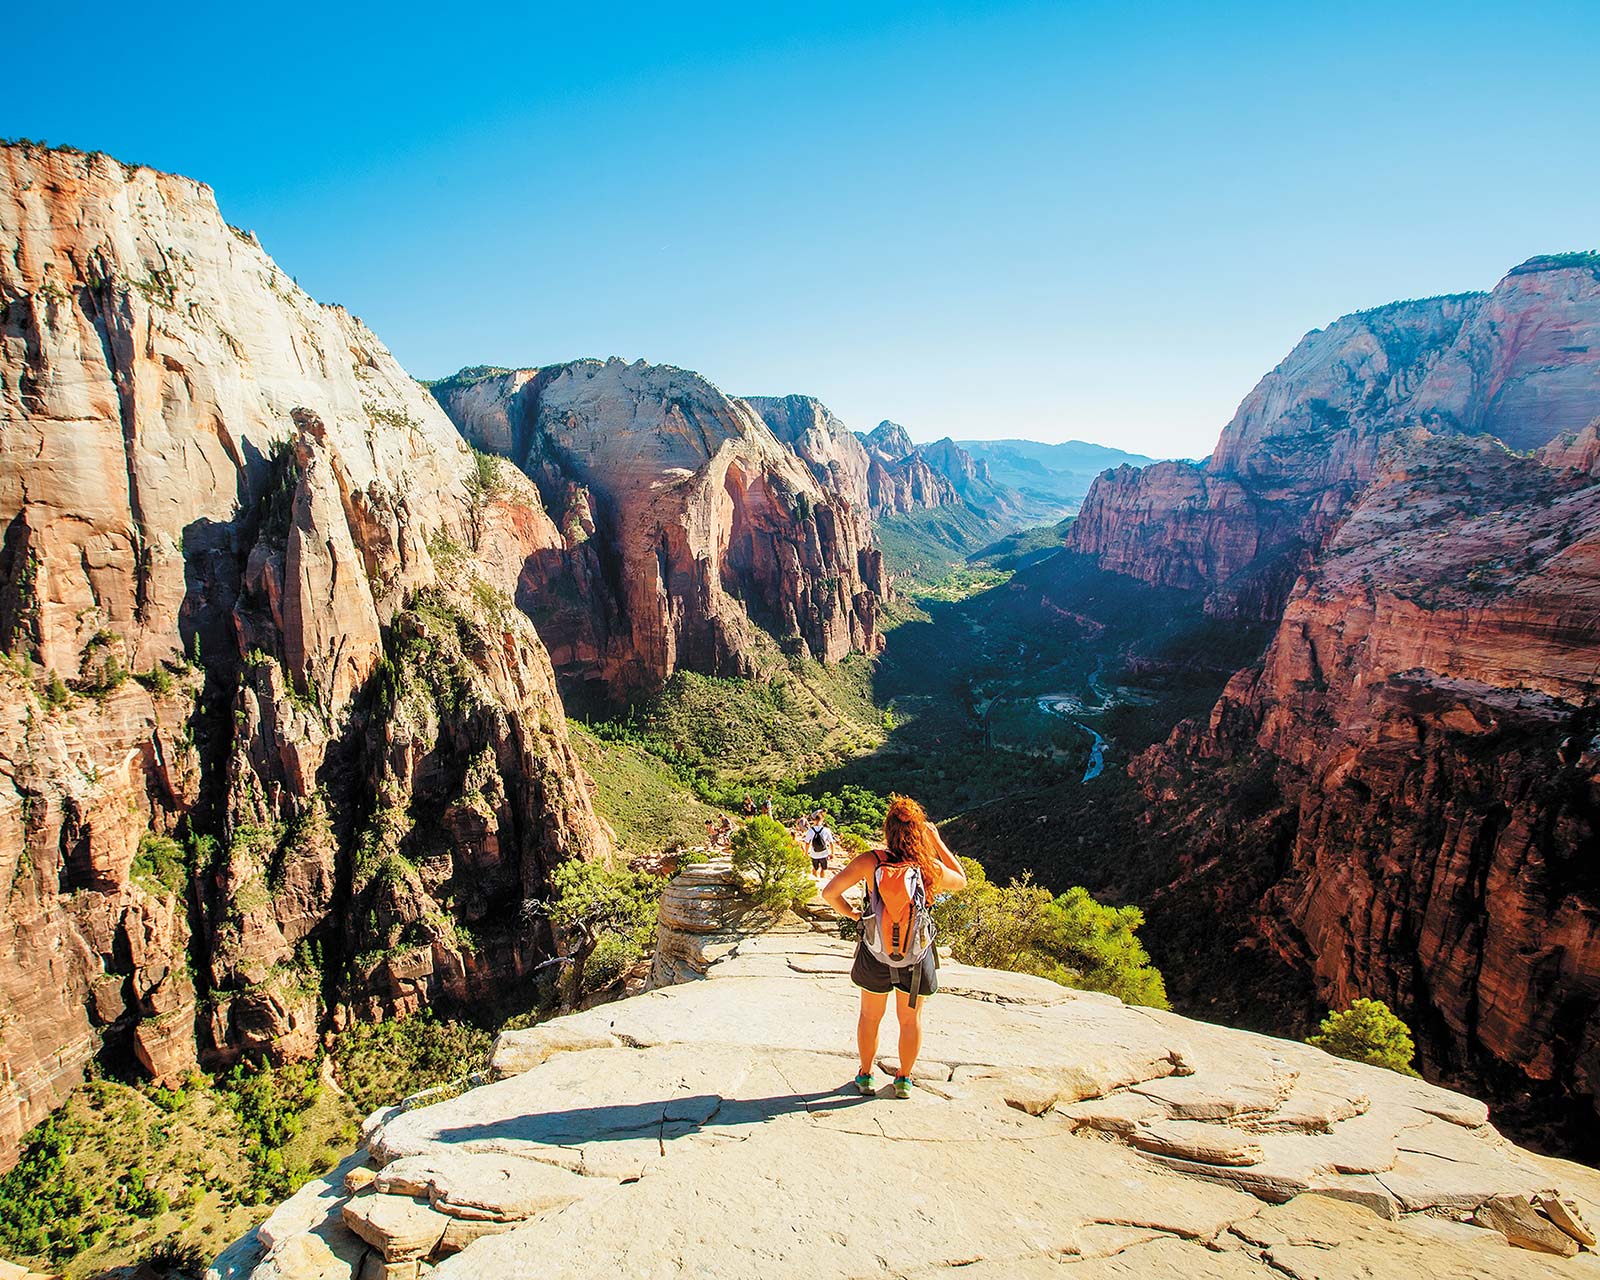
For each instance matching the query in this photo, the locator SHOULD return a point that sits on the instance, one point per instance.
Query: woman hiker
(901, 881)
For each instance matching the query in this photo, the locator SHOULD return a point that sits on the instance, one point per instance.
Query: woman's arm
(856, 870)
(954, 877)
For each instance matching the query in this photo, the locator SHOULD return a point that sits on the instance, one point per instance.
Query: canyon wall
(1402, 799)
(1396, 800)
(691, 535)
(1521, 363)
(234, 530)
(900, 479)
(833, 452)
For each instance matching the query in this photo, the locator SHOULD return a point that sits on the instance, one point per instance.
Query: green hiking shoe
(902, 1086)
(864, 1082)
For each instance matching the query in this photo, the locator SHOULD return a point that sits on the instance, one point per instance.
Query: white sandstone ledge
(712, 1129)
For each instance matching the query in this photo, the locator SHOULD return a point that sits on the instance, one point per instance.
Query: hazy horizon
(1049, 222)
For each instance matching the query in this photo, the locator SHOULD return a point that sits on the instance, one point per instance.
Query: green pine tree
(1368, 1031)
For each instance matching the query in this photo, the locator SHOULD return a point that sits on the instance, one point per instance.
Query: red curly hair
(909, 838)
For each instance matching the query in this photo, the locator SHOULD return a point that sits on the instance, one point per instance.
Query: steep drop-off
(213, 483)
(711, 1128)
(1402, 799)
(687, 527)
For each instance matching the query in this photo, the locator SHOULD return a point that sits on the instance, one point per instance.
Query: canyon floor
(710, 1127)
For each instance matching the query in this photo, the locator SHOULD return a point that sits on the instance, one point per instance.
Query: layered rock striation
(713, 1127)
(234, 494)
(687, 528)
(900, 479)
(1401, 797)
(1521, 363)
(1394, 800)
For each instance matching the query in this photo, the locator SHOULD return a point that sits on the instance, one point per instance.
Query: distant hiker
(711, 833)
(725, 831)
(896, 948)
(768, 808)
(749, 807)
(820, 840)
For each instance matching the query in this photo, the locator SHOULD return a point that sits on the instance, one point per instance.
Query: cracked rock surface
(712, 1128)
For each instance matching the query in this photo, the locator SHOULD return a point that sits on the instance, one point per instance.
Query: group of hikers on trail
(895, 950)
(811, 831)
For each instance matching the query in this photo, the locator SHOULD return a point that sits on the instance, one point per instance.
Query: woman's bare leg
(910, 1030)
(873, 1004)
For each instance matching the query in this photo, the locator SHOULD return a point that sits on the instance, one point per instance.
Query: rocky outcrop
(1575, 451)
(1521, 363)
(1424, 745)
(965, 473)
(900, 480)
(214, 483)
(701, 911)
(688, 529)
(1049, 1127)
(832, 451)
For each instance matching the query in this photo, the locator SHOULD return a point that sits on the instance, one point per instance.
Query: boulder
(1518, 1221)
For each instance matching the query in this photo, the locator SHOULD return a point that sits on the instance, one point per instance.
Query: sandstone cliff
(687, 528)
(964, 472)
(832, 451)
(1521, 363)
(212, 482)
(900, 479)
(1401, 798)
(712, 1128)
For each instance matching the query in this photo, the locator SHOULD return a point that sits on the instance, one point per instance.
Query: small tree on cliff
(763, 849)
(600, 910)
(484, 484)
(1368, 1031)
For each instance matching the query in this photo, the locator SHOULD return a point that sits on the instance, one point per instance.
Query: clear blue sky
(1101, 221)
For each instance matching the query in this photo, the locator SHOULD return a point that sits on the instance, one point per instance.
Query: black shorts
(871, 974)
(819, 863)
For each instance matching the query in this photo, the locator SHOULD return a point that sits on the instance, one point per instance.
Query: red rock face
(834, 453)
(901, 478)
(1521, 363)
(687, 525)
(208, 479)
(1396, 800)
(1425, 726)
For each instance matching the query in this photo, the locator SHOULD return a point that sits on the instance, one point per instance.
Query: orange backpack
(898, 925)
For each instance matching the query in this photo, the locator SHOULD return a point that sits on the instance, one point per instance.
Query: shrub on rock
(762, 849)
(607, 914)
(1368, 1031)
(1070, 938)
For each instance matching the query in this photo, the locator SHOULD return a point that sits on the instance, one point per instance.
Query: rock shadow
(662, 1120)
